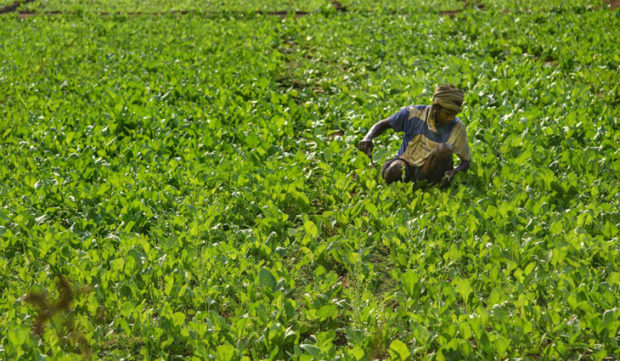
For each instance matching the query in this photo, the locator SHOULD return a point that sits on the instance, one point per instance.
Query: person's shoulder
(420, 108)
(417, 111)
(458, 126)
(459, 123)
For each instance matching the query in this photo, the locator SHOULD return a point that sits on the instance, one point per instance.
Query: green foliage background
(198, 176)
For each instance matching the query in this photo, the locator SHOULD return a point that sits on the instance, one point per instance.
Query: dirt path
(282, 14)
(612, 4)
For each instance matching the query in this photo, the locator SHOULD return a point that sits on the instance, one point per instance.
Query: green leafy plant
(199, 175)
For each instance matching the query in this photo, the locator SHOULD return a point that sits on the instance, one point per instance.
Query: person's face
(443, 115)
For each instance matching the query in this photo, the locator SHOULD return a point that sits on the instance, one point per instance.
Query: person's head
(447, 102)
(444, 115)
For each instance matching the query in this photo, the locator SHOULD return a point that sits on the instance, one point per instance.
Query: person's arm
(463, 166)
(461, 148)
(365, 145)
(449, 174)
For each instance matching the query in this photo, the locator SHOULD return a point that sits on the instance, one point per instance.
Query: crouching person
(432, 134)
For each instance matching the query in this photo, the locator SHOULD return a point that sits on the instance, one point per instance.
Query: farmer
(432, 134)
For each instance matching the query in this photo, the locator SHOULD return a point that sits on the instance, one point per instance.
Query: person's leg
(393, 170)
(438, 162)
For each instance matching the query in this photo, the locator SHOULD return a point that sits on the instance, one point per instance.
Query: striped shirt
(422, 136)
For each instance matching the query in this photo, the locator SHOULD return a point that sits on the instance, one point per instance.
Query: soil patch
(450, 13)
(12, 7)
(338, 6)
(613, 4)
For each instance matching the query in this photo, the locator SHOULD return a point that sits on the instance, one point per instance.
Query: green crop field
(186, 186)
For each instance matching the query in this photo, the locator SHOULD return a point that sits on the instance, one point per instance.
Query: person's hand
(365, 145)
(447, 177)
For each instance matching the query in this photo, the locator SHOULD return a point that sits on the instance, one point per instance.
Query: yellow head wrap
(449, 97)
